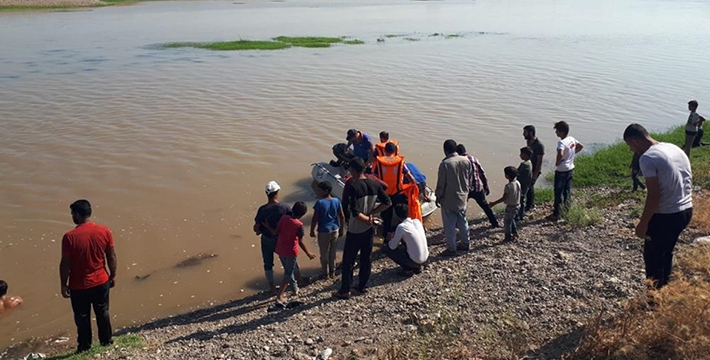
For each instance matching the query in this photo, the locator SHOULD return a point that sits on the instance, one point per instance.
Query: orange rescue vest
(390, 169)
(411, 191)
(380, 147)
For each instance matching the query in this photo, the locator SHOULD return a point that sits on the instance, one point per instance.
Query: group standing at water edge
(88, 261)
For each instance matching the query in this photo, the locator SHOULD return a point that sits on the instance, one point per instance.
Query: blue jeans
(563, 190)
(509, 222)
(290, 266)
(453, 220)
(268, 247)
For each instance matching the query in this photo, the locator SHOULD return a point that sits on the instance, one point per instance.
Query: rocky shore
(50, 3)
(499, 300)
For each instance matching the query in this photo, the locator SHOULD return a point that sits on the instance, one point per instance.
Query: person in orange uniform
(384, 139)
(391, 170)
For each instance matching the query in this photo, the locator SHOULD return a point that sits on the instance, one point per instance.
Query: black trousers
(388, 214)
(401, 257)
(81, 303)
(661, 237)
(355, 243)
(530, 196)
(480, 198)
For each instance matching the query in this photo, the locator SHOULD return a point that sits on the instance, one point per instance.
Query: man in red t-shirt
(86, 251)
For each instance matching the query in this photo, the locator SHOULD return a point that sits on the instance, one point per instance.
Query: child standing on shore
(524, 178)
(290, 237)
(328, 215)
(511, 197)
(635, 171)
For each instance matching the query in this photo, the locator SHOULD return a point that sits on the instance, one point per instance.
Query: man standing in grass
(538, 152)
(567, 148)
(692, 126)
(669, 202)
(86, 252)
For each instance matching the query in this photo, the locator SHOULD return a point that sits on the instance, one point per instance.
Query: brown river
(173, 147)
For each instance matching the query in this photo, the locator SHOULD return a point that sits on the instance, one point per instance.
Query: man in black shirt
(364, 195)
(270, 212)
(538, 152)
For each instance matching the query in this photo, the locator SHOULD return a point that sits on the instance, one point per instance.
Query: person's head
(80, 211)
(384, 136)
(510, 172)
(693, 105)
(272, 190)
(402, 210)
(449, 147)
(525, 153)
(460, 149)
(390, 148)
(354, 136)
(357, 167)
(324, 189)
(299, 209)
(3, 288)
(529, 132)
(637, 138)
(561, 129)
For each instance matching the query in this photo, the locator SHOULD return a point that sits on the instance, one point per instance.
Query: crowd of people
(382, 184)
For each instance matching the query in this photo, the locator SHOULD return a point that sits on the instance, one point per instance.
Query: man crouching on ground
(408, 246)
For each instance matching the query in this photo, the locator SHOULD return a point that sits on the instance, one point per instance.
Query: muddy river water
(173, 147)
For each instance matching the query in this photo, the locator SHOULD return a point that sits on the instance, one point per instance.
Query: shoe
(80, 350)
(552, 218)
(293, 304)
(418, 271)
(494, 226)
(109, 343)
(342, 296)
(363, 290)
(276, 307)
(406, 273)
(461, 247)
(448, 253)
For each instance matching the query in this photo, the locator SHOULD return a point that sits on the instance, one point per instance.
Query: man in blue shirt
(363, 147)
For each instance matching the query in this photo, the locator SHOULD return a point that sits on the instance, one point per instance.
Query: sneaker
(342, 296)
(462, 247)
(406, 273)
(448, 253)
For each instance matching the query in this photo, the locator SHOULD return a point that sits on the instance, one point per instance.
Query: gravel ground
(50, 3)
(541, 289)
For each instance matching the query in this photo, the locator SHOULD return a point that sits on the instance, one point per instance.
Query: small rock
(309, 341)
(266, 348)
(347, 343)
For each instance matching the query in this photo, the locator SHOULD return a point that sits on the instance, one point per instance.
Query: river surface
(173, 147)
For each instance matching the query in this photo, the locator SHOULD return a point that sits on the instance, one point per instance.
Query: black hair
(390, 148)
(3, 288)
(272, 195)
(299, 209)
(449, 146)
(562, 127)
(526, 150)
(81, 208)
(460, 149)
(529, 129)
(357, 165)
(635, 131)
(325, 186)
(510, 172)
(402, 210)
(693, 104)
(384, 135)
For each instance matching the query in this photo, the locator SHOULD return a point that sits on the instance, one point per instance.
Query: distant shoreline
(8, 5)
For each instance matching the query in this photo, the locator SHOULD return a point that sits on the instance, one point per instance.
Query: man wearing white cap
(270, 212)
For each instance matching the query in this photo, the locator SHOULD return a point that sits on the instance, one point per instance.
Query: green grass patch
(353, 42)
(579, 216)
(44, 8)
(232, 45)
(394, 35)
(309, 41)
(544, 195)
(453, 36)
(129, 341)
(411, 39)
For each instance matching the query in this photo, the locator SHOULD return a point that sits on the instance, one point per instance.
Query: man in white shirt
(567, 148)
(692, 126)
(669, 201)
(408, 246)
